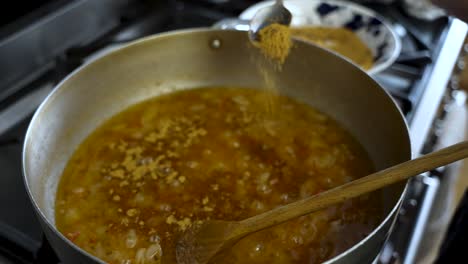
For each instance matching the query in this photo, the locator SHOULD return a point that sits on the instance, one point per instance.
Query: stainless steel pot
(204, 57)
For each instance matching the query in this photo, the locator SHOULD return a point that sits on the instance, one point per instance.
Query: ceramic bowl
(370, 27)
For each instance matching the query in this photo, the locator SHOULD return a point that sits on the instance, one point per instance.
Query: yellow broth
(148, 173)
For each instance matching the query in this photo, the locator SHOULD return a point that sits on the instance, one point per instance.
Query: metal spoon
(275, 13)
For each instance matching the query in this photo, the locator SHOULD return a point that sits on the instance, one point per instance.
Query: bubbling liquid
(150, 172)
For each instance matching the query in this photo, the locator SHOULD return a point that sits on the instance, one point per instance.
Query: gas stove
(39, 46)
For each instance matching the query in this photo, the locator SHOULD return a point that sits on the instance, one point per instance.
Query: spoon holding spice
(202, 242)
(273, 14)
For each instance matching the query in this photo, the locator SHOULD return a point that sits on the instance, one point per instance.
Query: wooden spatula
(200, 243)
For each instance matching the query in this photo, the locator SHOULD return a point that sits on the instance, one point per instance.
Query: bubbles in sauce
(153, 170)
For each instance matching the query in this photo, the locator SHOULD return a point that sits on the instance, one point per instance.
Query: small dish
(370, 27)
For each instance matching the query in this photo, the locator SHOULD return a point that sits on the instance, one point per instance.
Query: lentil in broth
(151, 171)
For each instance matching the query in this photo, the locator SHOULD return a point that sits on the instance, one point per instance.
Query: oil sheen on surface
(151, 171)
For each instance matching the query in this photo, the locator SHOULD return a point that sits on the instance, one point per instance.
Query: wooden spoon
(200, 243)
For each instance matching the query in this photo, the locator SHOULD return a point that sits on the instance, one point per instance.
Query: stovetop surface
(21, 239)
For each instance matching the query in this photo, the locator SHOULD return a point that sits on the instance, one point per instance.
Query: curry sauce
(150, 172)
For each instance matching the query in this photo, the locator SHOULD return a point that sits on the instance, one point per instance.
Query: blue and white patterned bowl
(371, 28)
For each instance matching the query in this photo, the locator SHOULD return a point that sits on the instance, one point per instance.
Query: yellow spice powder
(275, 42)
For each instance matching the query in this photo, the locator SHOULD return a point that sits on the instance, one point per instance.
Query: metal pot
(204, 57)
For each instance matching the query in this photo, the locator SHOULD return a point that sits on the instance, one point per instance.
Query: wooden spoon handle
(355, 188)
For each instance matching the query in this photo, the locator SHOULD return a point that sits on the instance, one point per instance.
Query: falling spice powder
(275, 42)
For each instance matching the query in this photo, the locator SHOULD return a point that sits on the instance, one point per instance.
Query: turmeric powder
(275, 42)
